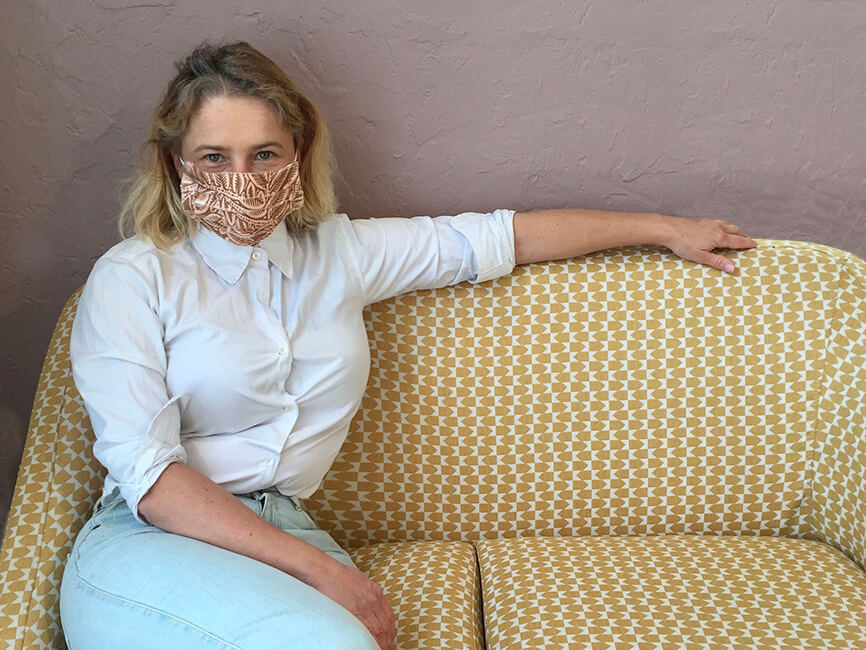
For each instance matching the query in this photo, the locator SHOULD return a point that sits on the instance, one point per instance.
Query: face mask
(241, 207)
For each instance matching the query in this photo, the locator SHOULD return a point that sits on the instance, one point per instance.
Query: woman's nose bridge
(241, 164)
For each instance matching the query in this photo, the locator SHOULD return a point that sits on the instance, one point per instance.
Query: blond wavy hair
(153, 203)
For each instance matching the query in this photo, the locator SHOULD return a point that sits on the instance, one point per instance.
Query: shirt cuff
(162, 447)
(492, 238)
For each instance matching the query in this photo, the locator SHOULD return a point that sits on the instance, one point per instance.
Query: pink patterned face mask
(241, 207)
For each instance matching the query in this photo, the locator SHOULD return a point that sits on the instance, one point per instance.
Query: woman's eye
(267, 155)
(209, 159)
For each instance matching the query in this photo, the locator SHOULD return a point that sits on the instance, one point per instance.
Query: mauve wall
(750, 112)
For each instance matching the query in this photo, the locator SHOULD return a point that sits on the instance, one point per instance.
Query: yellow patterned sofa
(619, 450)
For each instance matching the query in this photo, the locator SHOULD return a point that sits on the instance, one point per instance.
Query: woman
(221, 354)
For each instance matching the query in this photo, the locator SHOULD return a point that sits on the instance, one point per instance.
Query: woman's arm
(545, 235)
(186, 502)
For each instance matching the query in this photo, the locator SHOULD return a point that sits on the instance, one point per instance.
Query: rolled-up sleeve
(396, 255)
(118, 365)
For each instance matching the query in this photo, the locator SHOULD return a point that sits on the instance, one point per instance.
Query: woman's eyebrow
(217, 148)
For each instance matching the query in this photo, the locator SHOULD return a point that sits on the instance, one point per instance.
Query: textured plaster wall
(747, 111)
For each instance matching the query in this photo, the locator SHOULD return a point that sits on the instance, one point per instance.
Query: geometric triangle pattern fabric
(433, 588)
(626, 392)
(58, 483)
(671, 591)
(837, 511)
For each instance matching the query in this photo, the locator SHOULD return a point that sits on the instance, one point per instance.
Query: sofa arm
(836, 508)
(58, 483)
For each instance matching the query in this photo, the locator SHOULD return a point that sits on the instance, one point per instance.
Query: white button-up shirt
(247, 363)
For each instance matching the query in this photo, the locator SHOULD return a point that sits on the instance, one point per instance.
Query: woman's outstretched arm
(545, 235)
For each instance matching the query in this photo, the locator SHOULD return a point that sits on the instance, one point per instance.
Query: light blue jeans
(129, 585)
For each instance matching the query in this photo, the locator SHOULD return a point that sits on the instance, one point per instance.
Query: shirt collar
(229, 260)
(279, 246)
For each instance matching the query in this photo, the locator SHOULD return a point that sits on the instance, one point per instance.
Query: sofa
(623, 449)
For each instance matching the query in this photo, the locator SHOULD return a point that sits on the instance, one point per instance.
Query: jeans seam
(158, 611)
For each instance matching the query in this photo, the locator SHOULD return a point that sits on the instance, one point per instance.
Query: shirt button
(286, 408)
(283, 350)
(256, 255)
(269, 461)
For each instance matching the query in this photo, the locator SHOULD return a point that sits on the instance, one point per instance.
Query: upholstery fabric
(433, 588)
(624, 393)
(58, 483)
(670, 591)
(838, 508)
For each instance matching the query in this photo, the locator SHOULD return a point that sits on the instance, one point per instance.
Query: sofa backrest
(626, 392)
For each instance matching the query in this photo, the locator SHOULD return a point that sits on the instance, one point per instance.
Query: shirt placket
(269, 298)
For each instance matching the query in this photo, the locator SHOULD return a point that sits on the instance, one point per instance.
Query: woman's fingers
(741, 241)
(731, 229)
(714, 260)
(385, 617)
(736, 238)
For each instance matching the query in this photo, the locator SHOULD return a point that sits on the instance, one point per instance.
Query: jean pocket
(263, 500)
(93, 524)
(113, 521)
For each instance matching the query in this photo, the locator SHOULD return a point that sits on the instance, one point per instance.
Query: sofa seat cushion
(433, 588)
(670, 591)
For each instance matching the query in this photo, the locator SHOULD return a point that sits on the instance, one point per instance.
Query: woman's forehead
(236, 122)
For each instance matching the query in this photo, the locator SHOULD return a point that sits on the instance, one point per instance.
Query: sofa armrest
(836, 506)
(58, 482)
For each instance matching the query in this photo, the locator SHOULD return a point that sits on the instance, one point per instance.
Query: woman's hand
(356, 592)
(694, 239)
